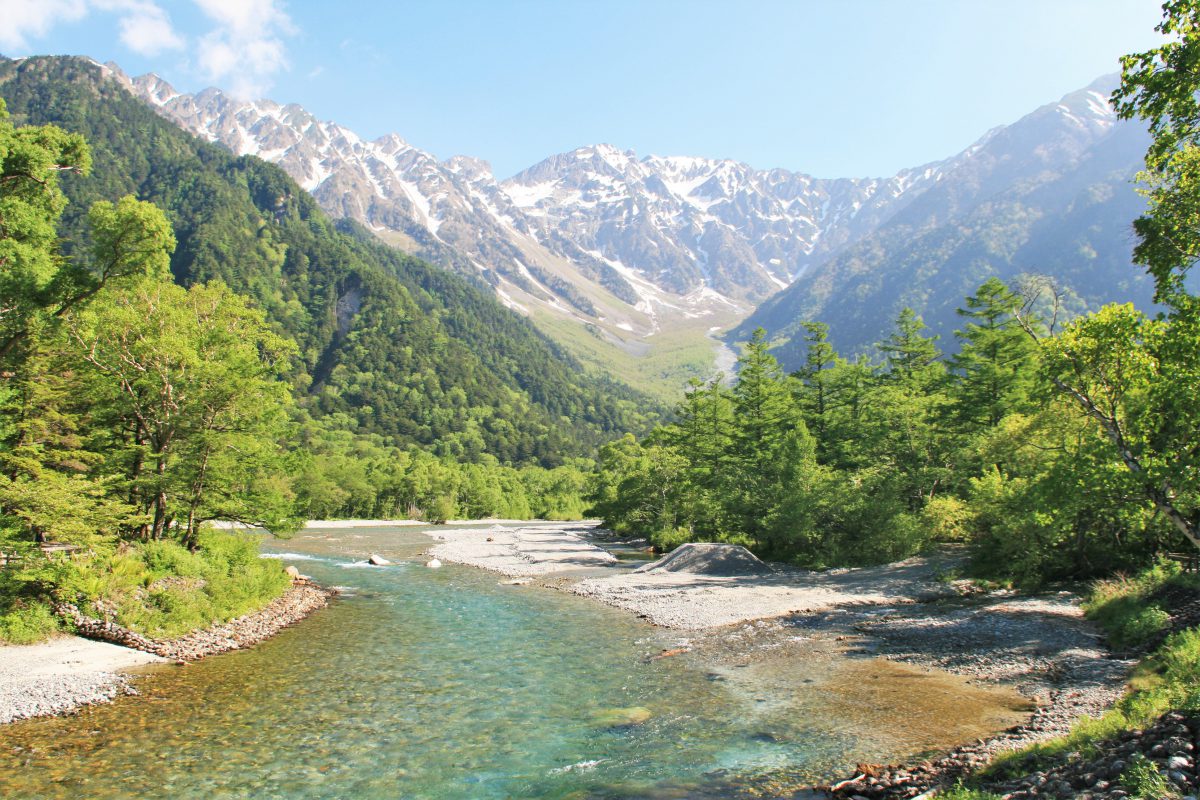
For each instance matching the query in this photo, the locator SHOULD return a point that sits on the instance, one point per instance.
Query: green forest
(1057, 448)
(217, 348)
(187, 337)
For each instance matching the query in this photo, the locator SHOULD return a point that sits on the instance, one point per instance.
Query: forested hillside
(1051, 194)
(394, 346)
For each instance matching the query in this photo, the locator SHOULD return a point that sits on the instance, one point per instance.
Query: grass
(1168, 679)
(159, 589)
(669, 359)
(1124, 609)
(960, 792)
(1143, 779)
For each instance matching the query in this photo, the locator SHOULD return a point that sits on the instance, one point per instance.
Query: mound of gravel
(718, 560)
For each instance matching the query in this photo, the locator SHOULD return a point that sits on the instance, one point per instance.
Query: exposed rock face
(296, 604)
(632, 244)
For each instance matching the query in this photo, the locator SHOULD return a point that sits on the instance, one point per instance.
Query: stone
(1178, 762)
(292, 572)
(622, 717)
(378, 561)
(433, 563)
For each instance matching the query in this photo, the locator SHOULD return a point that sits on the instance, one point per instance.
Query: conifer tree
(996, 365)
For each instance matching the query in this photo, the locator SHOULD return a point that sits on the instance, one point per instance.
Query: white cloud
(22, 19)
(246, 49)
(242, 52)
(145, 27)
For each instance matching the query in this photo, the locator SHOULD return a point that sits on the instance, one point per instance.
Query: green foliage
(31, 202)
(163, 589)
(852, 463)
(1160, 86)
(741, 466)
(26, 622)
(1144, 780)
(340, 474)
(995, 364)
(388, 343)
(1123, 607)
(197, 415)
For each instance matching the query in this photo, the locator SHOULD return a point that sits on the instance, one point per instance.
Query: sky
(833, 88)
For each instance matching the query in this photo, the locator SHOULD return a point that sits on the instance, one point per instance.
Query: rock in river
(622, 717)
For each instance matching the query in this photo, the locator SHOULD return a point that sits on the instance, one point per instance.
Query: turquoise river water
(422, 683)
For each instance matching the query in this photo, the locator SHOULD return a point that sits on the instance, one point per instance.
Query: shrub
(1144, 780)
(27, 622)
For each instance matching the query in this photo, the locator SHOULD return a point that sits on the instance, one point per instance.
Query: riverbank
(66, 673)
(63, 674)
(909, 612)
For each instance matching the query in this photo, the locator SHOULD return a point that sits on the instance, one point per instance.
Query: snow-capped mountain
(1050, 194)
(629, 246)
(596, 234)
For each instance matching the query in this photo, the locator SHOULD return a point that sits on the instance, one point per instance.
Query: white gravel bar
(63, 674)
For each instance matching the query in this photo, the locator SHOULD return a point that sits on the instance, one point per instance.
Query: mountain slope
(635, 251)
(643, 255)
(395, 346)
(1050, 194)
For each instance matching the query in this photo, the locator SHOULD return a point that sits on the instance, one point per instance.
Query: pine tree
(996, 367)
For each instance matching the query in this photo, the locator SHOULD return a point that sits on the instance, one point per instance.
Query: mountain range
(657, 252)
(389, 345)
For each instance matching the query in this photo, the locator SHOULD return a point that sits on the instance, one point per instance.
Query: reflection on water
(423, 683)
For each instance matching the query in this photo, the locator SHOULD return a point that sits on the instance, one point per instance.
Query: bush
(27, 622)
(1144, 780)
(1121, 606)
(160, 589)
(668, 539)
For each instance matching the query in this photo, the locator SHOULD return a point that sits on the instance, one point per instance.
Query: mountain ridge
(637, 250)
(388, 344)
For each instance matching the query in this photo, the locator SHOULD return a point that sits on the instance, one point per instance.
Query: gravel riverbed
(905, 612)
(69, 672)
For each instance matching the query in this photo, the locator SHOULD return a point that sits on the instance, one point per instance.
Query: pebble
(1072, 778)
(63, 693)
(295, 604)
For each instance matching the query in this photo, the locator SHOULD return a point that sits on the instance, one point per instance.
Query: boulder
(720, 560)
(433, 563)
(377, 561)
(622, 717)
(292, 572)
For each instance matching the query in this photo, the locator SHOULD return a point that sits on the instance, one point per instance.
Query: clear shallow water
(423, 683)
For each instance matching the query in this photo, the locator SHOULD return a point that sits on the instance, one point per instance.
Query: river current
(423, 683)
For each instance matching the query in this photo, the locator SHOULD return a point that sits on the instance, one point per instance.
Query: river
(423, 683)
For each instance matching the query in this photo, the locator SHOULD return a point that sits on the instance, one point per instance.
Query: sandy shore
(906, 612)
(62, 674)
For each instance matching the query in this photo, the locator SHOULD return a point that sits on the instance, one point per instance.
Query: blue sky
(837, 88)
